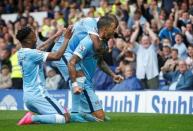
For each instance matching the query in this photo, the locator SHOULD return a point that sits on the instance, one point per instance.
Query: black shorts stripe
(54, 105)
(65, 60)
(89, 101)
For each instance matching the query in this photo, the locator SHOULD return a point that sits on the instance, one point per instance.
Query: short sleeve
(91, 26)
(83, 48)
(38, 56)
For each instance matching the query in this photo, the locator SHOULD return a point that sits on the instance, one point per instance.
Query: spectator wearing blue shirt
(130, 83)
(169, 32)
(181, 79)
(180, 46)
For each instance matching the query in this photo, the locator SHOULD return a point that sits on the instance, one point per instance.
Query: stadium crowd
(152, 49)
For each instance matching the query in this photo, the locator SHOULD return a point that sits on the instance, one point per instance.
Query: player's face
(109, 32)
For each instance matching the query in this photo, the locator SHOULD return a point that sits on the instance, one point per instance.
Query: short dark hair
(106, 21)
(174, 49)
(23, 33)
(180, 34)
(190, 46)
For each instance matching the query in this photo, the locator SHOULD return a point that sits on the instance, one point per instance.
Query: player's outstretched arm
(104, 67)
(57, 55)
(50, 41)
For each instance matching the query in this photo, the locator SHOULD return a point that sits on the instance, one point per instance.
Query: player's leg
(48, 110)
(90, 103)
(76, 116)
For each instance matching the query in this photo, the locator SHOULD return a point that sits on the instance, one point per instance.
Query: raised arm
(105, 68)
(135, 33)
(57, 55)
(152, 35)
(50, 41)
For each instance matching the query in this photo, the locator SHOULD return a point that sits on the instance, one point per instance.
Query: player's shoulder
(86, 43)
(87, 40)
(28, 52)
(89, 20)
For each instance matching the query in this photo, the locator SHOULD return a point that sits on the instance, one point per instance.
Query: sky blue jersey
(88, 62)
(31, 62)
(81, 29)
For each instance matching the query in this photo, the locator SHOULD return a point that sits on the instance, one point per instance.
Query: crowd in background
(153, 48)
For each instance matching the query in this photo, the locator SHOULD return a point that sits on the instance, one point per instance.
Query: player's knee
(99, 114)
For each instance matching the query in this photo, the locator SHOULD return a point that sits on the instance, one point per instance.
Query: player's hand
(59, 32)
(118, 78)
(77, 90)
(68, 32)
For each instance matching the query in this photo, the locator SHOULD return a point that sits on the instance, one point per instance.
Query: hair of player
(23, 33)
(106, 21)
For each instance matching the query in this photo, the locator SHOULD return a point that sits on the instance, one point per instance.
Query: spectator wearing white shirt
(146, 56)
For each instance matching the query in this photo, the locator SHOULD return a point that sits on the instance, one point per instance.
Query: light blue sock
(90, 117)
(76, 117)
(75, 103)
(48, 119)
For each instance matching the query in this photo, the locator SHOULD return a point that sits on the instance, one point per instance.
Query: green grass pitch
(118, 122)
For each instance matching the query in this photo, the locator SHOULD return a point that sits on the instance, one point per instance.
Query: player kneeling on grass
(35, 96)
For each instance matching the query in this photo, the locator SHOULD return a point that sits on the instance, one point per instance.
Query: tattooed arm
(105, 68)
(72, 68)
(73, 74)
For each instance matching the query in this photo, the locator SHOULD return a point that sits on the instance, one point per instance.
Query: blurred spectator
(92, 12)
(148, 12)
(53, 79)
(103, 8)
(172, 63)
(5, 78)
(184, 20)
(16, 71)
(136, 17)
(119, 46)
(169, 32)
(74, 14)
(108, 55)
(130, 82)
(127, 55)
(182, 50)
(188, 31)
(46, 27)
(5, 52)
(167, 5)
(181, 79)
(189, 59)
(58, 16)
(165, 54)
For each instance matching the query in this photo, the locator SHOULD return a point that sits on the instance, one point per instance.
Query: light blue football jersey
(80, 30)
(88, 62)
(31, 62)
